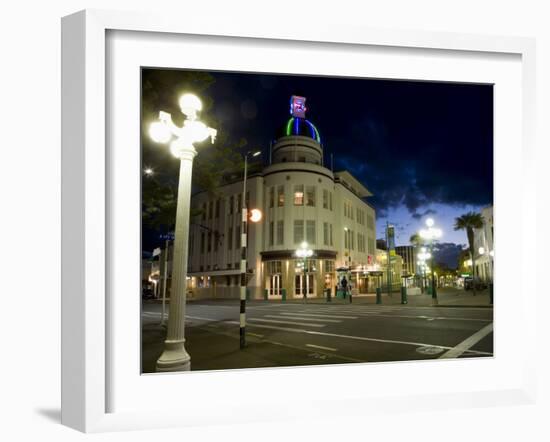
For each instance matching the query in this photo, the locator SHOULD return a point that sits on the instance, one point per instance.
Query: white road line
(285, 322)
(359, 338)
(255, 334)
(320, 347)
(319, 316)
(299, 318)
(456, 351)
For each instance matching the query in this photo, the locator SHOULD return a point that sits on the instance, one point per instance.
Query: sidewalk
(446, 297)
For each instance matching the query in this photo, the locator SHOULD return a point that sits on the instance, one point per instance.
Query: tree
(160, 91)
(416, 240)
(468, 222)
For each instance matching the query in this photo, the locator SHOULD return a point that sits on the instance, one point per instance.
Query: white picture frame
(86, 314)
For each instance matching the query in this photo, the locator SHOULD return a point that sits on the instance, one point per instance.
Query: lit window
(299, 195)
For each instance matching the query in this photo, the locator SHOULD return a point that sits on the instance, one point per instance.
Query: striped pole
(244, 216)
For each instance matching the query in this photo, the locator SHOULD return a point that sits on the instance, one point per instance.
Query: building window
(325, 199)
(202, 242)
(298, 231)
(271, 233)
(238, 237)
(329, 266)
(210, 209)
(274, 267)
(239, 203)
(330, 201)
(346, 239)
(280, 232)
(230, 238)
(310, 196)
(325, 234)
(218, 208)
(330, 233)
(231, 204)
(209, 248)
(204, 211)
(271, 196)
(247, 199)
(370, 243)
(281, 196)
(310, 231)
(216, 241)
(352, 240)
(299, 195)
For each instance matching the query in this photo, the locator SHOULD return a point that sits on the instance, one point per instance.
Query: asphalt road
(309, 334)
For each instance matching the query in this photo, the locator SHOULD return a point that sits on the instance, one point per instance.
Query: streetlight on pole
(244, 232)
(431, 234)
(348, 238)
(423, 256)
(174, 356)
(304, 252)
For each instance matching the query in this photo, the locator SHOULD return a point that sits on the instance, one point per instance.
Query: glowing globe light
(255, 215)
(159, 132)
(429, 222)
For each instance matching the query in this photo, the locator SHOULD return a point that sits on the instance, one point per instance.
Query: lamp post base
(174, 357)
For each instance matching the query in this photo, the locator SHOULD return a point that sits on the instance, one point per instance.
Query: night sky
(422, 148)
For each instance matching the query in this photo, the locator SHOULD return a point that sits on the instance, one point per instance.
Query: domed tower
(298, 140)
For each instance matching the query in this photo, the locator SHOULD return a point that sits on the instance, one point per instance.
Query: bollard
(283, 295)
(403, 295)
(265, 294)
(247, 294)
(350, 296)
(328, 295)
(491, 293)
(378, 295)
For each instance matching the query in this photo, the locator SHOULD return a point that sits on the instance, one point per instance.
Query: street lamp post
(304, 252)
(348, 237)
(423, 256)
(431, 234)
(244, 237)
(174, 356)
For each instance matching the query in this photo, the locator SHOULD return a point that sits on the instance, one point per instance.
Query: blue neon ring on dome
(302, 127)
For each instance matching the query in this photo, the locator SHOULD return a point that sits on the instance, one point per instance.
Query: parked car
(469, 284)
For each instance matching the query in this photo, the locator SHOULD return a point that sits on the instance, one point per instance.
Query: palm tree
(470, 221)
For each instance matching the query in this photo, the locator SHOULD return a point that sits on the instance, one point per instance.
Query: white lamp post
(304, 252)
(175, 357)
(431, 234)
(423, 256)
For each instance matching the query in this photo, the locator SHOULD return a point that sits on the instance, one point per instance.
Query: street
(295, 333)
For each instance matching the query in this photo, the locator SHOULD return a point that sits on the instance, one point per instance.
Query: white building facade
(301, 200)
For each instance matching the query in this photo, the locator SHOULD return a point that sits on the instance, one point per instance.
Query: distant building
(381, 244)
(396, 269)
(484, 238)
(408, 253)
(301, 200)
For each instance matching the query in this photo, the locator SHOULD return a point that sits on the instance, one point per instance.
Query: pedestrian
(344, 284)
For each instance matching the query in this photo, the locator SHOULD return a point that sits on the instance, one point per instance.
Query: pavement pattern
(313, 333)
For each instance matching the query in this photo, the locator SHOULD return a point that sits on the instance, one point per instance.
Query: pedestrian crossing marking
(274, 321)
(299, 318)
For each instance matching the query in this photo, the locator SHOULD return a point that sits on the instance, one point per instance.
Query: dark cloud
(420, 215)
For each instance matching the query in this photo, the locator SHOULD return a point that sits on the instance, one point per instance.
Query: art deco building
(301, 200)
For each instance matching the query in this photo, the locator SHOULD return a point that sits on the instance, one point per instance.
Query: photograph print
(294, 220)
